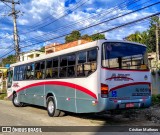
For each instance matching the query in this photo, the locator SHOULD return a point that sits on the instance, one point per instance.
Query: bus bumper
(128, 104)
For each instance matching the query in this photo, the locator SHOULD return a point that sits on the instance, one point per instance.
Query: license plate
(129, 105)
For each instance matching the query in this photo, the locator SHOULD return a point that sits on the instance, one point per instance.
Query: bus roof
(73, 49)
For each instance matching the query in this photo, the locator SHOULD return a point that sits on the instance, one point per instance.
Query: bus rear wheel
(51, 108)
(15, 101)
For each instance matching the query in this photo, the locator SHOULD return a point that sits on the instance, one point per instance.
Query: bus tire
(15, 101)
(51, 108)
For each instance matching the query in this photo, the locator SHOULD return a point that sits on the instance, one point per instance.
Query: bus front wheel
(15, 101)
(51, 108)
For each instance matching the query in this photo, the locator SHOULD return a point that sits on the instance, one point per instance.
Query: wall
(58, 47)
(155, 83)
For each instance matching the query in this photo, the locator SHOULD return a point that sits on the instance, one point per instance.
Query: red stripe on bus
(129, 84)
(67, 84)
(134, 70)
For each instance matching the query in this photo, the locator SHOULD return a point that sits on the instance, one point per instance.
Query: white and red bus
(94, 77)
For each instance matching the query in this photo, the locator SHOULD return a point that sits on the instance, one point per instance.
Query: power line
(111, 19)
(6, 4)
(102, 31)
(82, 20)
(132, 22)
(51, 17)
(6, 54)
(129, 23)
(76, 7)
(55, 19)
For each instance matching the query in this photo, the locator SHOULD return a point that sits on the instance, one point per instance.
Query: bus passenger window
(63, 72)
(29, 72)
(42, 70)
(37, 70)
(92, 61)
(49, 69)
(71, 65)
(87, 62)
(55, 68)
(63, 66)
(82, 57)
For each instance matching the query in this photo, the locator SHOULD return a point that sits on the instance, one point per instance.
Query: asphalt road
(36, 116)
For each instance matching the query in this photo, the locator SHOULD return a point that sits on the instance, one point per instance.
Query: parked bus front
(125, 77)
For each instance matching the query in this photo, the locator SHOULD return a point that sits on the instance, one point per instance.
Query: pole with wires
(15, 31)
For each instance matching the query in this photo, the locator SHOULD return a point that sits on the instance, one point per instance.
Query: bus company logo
(16, 85)
(120, 77)
(145, 77)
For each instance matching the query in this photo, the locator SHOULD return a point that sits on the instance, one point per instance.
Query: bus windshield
(121, 55)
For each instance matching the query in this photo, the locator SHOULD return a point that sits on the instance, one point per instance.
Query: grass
(155, 99)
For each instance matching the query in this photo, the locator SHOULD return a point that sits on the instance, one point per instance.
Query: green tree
(151, 33)
(42, 49)
(97, 37)
(147, 37)
(86, 37)
(75, 35)
(9, 60)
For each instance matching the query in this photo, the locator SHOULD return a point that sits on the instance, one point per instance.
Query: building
(3, 76)
(30, 55)
(155, 72)
(152, 60)
(57, 47)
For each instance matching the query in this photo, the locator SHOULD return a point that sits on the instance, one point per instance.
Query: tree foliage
(76, 35)
(9, 60)
(97, 36)
(42, 49)
(147, 37)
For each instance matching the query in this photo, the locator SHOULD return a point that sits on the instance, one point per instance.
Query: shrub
(156, 99)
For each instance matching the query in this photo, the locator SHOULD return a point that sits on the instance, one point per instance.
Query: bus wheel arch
(15, 100)
(52, 107)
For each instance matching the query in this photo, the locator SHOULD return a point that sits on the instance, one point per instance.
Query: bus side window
(87, 62)
(92, 60)
(29, 74)
(82, 57)
(71, 65)
(55, 68)
(16, 73)
(9, 78)
(42, 69)
(63, 66)
(49, 71)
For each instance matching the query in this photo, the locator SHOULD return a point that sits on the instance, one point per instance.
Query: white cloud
(35, 11)
(48, 10)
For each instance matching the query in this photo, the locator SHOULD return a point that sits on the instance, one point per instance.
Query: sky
(42, 22)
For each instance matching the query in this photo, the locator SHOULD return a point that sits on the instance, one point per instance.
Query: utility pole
(15, 32)
(157, 47)
(157, 44)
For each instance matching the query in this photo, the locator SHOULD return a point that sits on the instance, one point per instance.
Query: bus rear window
(124, 56)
